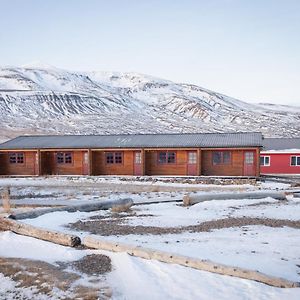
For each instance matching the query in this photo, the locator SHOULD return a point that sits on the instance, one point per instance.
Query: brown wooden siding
(49, 166)
(3, 168)
(152, 167)
(27, 168)
(235, 168)
(99, 166)
(96, 164)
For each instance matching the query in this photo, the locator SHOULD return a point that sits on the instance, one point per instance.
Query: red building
(280, 156)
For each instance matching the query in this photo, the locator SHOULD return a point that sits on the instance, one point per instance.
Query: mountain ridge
(47, 100)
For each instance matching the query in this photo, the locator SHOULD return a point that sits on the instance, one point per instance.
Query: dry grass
(6, 200)
(155, 189)
(121, 208)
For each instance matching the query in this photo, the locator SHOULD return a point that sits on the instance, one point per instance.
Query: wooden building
(280, 156)
(218, 154)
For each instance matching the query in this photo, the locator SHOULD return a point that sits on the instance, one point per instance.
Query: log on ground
(40, 233)
(199, 264)
(193, 199)
(107, 204)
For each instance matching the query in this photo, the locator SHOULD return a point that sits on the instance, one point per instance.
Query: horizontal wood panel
(99, 166)
(154, 168)
(235, 168)
(50, 166)
(27, 168)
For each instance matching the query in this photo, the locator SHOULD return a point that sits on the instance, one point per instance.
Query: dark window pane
(217, 158)
(118, 157)
(109, 158)
(68, 158)
(60, 157)
(162, 157)
(171, 157)
(298, 160)
(226, 157)
(12, 158)
(267, 160)
(262, 160)
(20, 158)
(293, 160)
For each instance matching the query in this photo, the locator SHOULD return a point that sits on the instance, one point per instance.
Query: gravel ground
(118, 226)
(94, 264)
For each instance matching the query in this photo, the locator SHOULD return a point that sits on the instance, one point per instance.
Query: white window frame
(297, 157)
(264, 164)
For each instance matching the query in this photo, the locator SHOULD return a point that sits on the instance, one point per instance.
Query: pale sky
(247, 49)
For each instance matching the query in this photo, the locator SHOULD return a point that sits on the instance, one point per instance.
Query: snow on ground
(35, 249)
(135, 278)
(175, 215)
(10, 290)
(247, 246)
(274, 251)
(153, 280)
(119, 180)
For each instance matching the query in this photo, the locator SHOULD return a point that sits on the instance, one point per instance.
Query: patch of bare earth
(44, 279)
(118, 226)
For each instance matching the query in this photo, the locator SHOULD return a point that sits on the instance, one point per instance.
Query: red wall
(280, 163)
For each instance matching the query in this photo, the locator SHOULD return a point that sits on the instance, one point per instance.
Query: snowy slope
(44, 99)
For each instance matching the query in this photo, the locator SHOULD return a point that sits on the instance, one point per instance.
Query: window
(265, 161)
(16, 158)
(138, 158)
(109, 158)
(249, 158)
(68, 158)
(221, 157)
(162, 157)
(60, 158)
(114, 157)
(166, 157)
(118, 158)
(64, 157)
(295, 160)
(192, 158)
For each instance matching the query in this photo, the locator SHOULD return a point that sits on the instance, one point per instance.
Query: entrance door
(249, 163)
(192, 163)
(137, 162)
(85, 163)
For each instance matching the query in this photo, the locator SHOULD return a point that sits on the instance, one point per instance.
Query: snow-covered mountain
(43, 99)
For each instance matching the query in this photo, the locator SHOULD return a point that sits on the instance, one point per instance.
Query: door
(137, 162)
(192, 163)
(85, 163)
(249, 163)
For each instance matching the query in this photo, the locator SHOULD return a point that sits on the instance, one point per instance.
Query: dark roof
(189, 140)
(281, 143)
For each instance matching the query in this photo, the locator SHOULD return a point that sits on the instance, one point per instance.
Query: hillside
(44, 99)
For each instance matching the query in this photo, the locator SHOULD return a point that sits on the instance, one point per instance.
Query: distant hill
(43, 99)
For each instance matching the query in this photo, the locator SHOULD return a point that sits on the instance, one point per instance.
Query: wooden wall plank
(178, 168)
(234, 169)
(99, 166)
